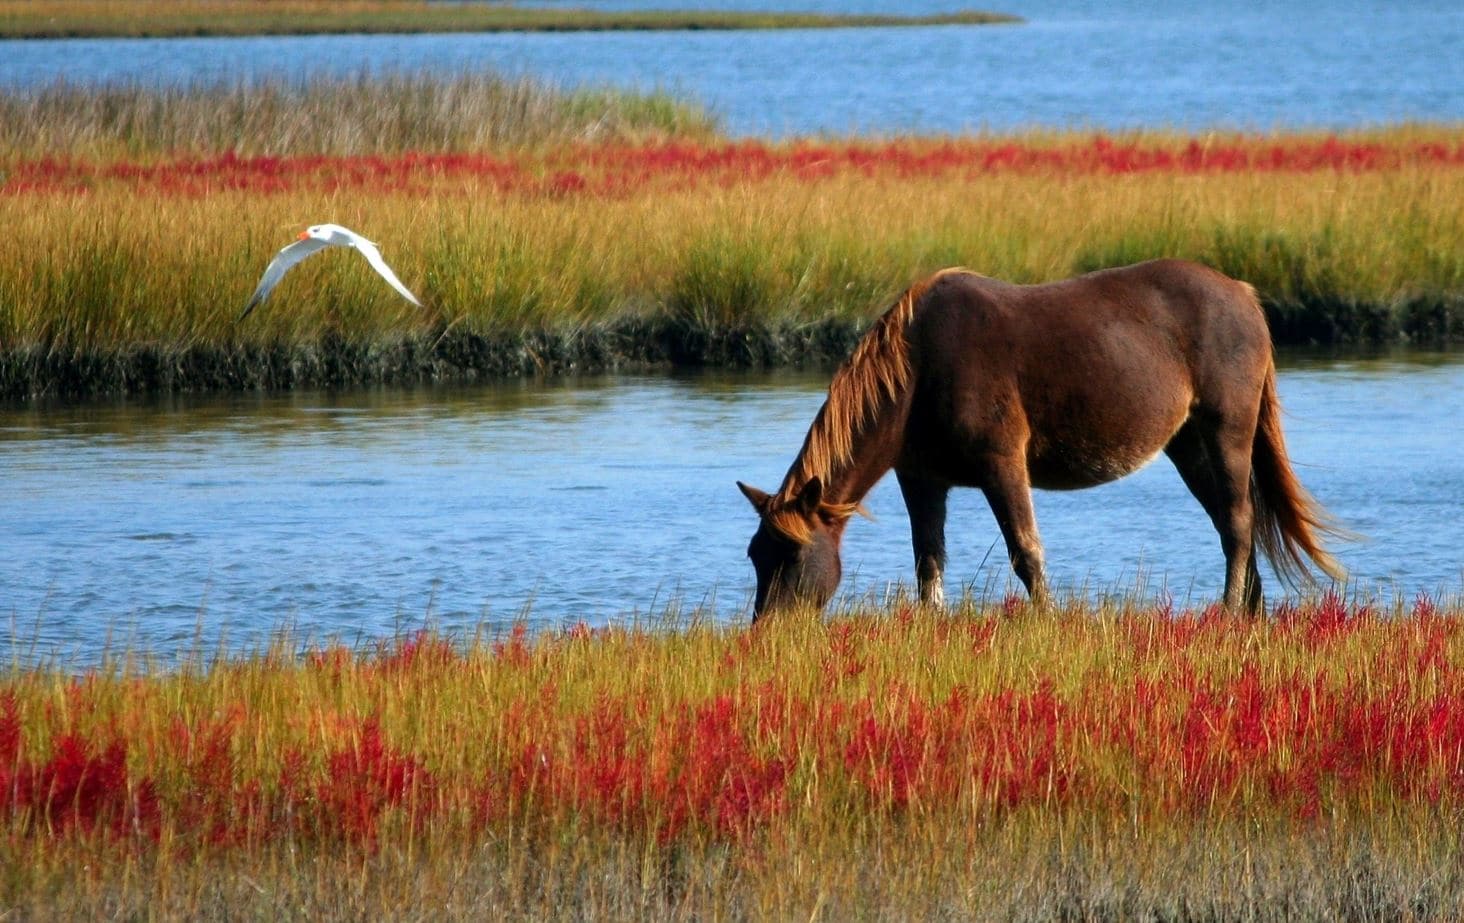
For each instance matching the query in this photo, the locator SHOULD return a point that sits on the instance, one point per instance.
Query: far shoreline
(68, 19)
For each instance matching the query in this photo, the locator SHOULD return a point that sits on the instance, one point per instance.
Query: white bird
(318, 237)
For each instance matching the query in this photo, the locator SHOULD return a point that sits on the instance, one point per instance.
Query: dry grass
(331, 116)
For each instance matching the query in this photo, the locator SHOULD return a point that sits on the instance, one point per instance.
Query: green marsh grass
(1111, 761)
(162, 18)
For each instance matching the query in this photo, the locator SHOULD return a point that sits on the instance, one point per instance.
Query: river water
(354, 515)
(1100, 64)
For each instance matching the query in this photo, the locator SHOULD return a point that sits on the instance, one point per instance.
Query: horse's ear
(759, 499)
(810, 497)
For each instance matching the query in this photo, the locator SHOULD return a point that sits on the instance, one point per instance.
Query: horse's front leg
(925, 500)
(1008, 490)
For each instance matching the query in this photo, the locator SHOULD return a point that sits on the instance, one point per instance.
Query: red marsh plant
(916, 759)
(620, 169)
(730, 735)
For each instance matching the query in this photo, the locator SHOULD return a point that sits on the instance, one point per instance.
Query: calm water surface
(360, 514)
(1081, 63)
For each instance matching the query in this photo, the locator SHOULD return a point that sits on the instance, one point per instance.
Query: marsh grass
(364, 114)
(757, 271)
(1017, 874)
(162, 18)
(557, 230)
(1117, 761)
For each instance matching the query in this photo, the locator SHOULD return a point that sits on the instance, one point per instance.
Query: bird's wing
(373, 256)
(277, 268)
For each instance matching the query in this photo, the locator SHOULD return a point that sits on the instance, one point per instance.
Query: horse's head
(795, 550)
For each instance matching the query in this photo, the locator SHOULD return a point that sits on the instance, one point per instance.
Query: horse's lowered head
(795, 550)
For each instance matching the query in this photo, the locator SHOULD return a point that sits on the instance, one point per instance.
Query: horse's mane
(876, 371)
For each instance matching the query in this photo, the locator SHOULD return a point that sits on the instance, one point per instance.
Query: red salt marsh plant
(901, 734)
(618, 169)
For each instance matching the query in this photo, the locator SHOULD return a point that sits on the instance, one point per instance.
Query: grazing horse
(972, 382)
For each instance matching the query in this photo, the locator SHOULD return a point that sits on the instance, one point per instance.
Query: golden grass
(106, 267)
(93, 18)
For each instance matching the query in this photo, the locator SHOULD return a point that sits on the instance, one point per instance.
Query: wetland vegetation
(552, 230)
(998, 761)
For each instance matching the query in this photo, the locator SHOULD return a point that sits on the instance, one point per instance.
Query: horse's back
(1161, 312)
(1090, 375)
(1167, 293)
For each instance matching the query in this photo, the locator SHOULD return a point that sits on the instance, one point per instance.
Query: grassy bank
(997, 761)
(162, 18)
(550, 230)
(125, 276)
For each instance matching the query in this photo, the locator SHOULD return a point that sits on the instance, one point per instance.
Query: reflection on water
(161, 523)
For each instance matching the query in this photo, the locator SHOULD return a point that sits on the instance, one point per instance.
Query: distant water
(1102, 65)
(156, 523)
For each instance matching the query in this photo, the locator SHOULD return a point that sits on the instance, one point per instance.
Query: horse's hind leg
(1009, 492)
(1215, 465)
(925, 500)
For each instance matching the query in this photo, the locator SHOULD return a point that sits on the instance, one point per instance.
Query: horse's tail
(1289, 522)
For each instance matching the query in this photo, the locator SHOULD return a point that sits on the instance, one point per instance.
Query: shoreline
(439, 355)
(648, 344)
(241, 18)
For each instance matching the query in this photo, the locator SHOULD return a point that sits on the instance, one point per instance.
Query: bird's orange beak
(302, 235)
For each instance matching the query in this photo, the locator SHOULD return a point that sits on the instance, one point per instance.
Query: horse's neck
(847, 476)
(874, 454)
(857, 434)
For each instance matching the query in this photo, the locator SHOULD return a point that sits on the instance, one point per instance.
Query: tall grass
(364, 114)
(1123, 762)
(104, 267)
(132, 18)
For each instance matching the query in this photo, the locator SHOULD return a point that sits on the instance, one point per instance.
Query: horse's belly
(1099, 435)
(1062, 468)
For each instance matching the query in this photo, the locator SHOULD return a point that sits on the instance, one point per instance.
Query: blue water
(355, 515)
(1114, 65)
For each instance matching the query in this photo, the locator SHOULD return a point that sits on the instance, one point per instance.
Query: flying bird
(316, 238)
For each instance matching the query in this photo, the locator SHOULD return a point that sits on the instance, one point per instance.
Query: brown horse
(967, 381)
